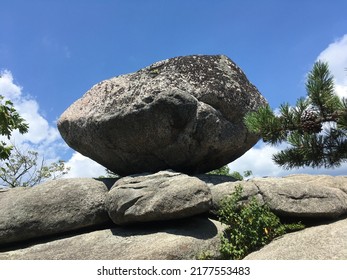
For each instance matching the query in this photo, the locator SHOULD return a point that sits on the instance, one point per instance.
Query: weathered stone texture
(325, 242)
(177, 240)
(161, 196)
(184, 113)
(295, 196)
(50, 208)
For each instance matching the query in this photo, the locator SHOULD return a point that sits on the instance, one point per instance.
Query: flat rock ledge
(165, 216)
(178, 240)
(50, 208)
(294, 196)
(325, 242)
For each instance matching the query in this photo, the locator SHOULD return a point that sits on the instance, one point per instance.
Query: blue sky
(52, 52)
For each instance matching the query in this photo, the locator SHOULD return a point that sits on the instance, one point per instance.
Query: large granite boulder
(184, 113)
(175, 240)
(324, 242)
(165, 195)
(294, 196)
(50, 208)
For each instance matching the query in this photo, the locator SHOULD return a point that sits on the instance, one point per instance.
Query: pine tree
(315, 128)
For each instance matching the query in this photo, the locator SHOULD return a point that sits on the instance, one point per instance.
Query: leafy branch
(10, 120)
(24, 169)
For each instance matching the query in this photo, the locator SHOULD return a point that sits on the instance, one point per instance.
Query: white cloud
(7, 87)
(82, 166)
(40, 133)
(336, 56)
(259, 161)
(43, 136)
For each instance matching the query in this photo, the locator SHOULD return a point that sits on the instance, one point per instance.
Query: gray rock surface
(42, 222)
(165, 195)
(184, 113)
(52, 207)
(325, 242)
(303, 196)
(177, 240)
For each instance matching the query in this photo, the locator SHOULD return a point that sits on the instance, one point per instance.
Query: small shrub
(250, 226)
(236, 175)
(225, 171)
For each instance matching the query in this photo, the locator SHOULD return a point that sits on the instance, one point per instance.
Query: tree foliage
(315, 128)
(10, 120)
(225, 171)
(18, 168)
(24, 169)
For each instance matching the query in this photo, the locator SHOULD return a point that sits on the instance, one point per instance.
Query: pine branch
(320, 89)
(305, 150)
(302, 126)
(265, 123)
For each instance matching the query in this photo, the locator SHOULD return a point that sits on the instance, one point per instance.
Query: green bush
(250, 226)
(225, 170)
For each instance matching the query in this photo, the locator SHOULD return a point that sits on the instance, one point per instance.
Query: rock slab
(165, 195)
(177, 240)
(51, 208)
(325, 242)
(42, 222)
(294, 196)
(184, 113)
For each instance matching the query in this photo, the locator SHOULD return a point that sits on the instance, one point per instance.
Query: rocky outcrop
(177, 240)
(325, 242)
(184, 113)
(75, 218)
(51, 208)
(161, 196)
(295, 196)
